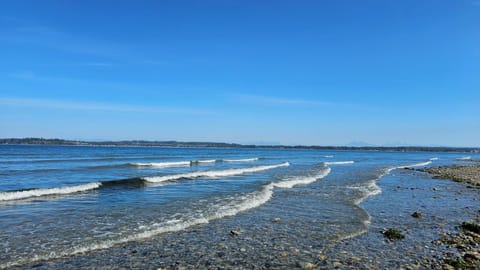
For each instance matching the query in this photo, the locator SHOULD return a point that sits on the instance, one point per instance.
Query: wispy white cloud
(94, 106)
(279, 101)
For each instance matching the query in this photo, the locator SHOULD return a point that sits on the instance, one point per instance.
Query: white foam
(162, 164)
(339, 162)
(24, 194)
(434, 158)
(409, 166)
(219, 173)
(302, 180)
(204, 161)
(247, 202)
(464, 158)
(328, 156)
(241, 160)
(368, 190)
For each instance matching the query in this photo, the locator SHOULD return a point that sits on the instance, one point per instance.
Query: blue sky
(290, 72)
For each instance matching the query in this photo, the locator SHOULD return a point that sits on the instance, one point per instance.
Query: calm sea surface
(58, 200)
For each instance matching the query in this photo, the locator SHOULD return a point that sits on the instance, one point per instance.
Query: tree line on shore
(145, 143)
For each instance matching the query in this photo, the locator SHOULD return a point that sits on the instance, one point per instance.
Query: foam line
(302, 180)
(219, 173)
(240, 160)
(162, 164)
(339, 162)
(25, 194)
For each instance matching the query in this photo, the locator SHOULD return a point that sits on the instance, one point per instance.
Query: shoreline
(469, 174)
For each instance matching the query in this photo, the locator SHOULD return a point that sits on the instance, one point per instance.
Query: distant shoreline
(177, 144)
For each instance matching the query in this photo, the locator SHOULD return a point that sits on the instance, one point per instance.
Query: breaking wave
(240, 160)
(371, 188)
(339, 162)
(218, 173)
(193, 162)
(162, 164)
(30, 193)
(302, 180)
(464, 158)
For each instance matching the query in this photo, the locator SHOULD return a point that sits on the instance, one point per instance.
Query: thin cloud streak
(279, 101)
(94, 106)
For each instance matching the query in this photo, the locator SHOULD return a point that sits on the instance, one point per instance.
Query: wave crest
(302, 180)
(339, 162)
(25, 194)
(240, 160)
(219, 173)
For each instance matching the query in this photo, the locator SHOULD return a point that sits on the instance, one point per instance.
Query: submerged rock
(417, 214)
(392, 234)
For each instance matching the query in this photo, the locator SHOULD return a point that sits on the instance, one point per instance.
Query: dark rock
(392, 234)
(472, 227)
(457, 263)
(234, 233)
(417, 214)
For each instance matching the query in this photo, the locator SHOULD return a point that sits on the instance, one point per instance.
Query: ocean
(59, 201)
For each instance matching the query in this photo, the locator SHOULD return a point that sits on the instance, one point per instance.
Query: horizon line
(232, 143)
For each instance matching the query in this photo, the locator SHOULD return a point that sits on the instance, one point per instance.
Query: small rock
(447, 267)
(322, 257)
(392, 234)
(434, 189)
(234, 233)
(277, 219)
(337, 264)
(309, 266)
(417, 214)
(470, 257)
(284, 254)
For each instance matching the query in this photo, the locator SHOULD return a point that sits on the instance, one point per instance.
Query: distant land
(145, 143)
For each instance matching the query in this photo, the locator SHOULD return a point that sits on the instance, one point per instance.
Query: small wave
(464, 158)
(339, 162)
(220, 173)
(240, 160)
(302, 180)
(25, 194)
(162, 164)
(368, 190)
(328, 156)
(420, 164)
(203, 161)
(434, 158)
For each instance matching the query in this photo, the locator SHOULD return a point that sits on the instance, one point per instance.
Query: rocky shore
(467, 239)
(468, 174)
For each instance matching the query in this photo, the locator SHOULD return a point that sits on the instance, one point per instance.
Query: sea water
(58, 201)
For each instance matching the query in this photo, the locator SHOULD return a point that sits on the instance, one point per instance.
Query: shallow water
(91, 198)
